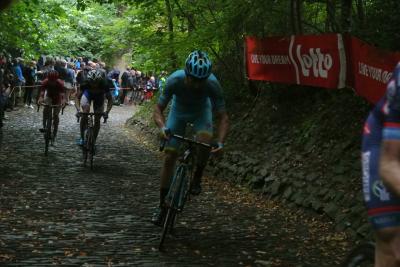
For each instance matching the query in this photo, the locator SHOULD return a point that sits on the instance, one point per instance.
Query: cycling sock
(163, 194)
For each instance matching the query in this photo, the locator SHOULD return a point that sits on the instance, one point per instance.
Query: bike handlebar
(187, 140)
(52, 106)
(102, 114)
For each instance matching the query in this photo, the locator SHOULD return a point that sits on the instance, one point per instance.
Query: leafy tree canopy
(158, 34)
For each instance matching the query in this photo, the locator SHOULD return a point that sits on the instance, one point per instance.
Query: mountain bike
(48, 125)
(179, 190)
(88, 147)
(362, 256)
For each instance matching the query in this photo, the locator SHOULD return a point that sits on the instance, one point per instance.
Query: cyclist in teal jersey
(195, 93)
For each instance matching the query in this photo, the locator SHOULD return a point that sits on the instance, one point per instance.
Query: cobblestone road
(55, 212)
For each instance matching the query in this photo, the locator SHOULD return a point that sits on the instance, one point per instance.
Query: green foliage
(25, 25)
(145, 111)
(160, 40)
(55, 27)
(383, 26)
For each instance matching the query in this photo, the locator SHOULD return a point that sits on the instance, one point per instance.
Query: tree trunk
(361, 13)
(171, 34)
(299, 5)
(190, 17)
(346, 16)
(292, 16)
(330, 23)
(4, 3)
(295, 16)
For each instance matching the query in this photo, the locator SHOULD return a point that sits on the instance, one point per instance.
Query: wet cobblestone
(53, 211)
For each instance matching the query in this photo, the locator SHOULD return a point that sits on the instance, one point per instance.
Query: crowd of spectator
(20, 80)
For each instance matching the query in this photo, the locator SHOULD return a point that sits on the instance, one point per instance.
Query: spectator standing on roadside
(19, 80)
(150, 87)
(112, 78)
(70, 83)
(61, 68)
(126, 80)
(30, 77)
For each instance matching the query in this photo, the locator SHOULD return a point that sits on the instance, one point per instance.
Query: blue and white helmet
(198, 65)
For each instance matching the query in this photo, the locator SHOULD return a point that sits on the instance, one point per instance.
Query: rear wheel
(47, 133)
(362, 256)
(46, 144)
(173, 202)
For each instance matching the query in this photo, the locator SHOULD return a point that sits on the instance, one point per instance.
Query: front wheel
(46, 144)
(168, 224)
(91, 148)
(362, 256)
(85, 147)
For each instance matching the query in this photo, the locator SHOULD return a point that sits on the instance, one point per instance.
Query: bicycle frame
(48, 125)
(184, 170)
(89, 142)
(180, 185)
(181, 182)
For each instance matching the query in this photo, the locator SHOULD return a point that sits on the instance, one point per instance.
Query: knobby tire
(167, 225)
(173, 206)
(91, 148)
(85, 147)
(47, 134)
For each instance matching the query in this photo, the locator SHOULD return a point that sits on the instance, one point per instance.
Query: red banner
(369, 68)
(306, 60)
(321, 60)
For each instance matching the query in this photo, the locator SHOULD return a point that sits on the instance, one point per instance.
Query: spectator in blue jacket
(113, 77)
(19, 79)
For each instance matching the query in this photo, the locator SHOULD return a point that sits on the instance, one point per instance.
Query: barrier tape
(25, 86)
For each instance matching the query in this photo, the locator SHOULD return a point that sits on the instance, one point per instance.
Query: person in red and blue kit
(381, 173)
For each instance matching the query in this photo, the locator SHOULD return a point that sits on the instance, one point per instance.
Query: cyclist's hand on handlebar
(165, 133)
(217, 148)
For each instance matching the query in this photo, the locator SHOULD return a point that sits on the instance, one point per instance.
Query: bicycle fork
(178, 192)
